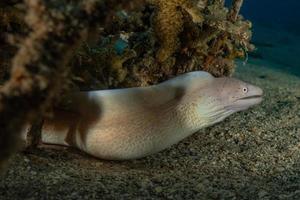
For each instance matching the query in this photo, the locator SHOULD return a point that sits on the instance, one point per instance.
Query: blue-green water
(276, 32)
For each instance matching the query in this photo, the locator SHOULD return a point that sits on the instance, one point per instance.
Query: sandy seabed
(251, 155)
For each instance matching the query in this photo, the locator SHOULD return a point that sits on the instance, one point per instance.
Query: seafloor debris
(130, 43)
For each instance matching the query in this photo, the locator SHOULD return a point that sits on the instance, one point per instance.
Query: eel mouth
(246, 102)
(251, 97)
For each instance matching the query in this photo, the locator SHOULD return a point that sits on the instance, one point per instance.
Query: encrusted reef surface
(251, 155)
(145, 42)
(162, 39)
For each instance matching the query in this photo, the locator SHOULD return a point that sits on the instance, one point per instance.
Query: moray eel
(121, 124)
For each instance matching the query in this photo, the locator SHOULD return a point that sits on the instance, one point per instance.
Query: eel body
(131, 123)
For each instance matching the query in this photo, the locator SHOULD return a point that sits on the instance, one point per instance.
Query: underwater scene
(149, 99)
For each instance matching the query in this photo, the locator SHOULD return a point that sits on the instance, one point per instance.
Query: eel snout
(253, 97)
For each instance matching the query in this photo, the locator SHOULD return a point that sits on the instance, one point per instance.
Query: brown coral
(168, 38)
(39, 67)
(168, 24)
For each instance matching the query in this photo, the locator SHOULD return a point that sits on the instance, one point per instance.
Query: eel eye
(245, 89)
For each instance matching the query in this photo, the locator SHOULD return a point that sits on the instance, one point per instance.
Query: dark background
(276, 32)
(274, 13)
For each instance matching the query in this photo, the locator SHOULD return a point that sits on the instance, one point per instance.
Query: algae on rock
(161, 39)
(143, 42)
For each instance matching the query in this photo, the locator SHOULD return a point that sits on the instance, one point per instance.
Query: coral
(11, 21)
(234, 12)
(167, 38)
(168, 23)
(38, 72)
(231, 39)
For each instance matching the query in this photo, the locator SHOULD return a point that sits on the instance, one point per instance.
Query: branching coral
(231, 40)
(167, 38)
(11, 21)
(39, 68)
(168, 23)
(234, 12)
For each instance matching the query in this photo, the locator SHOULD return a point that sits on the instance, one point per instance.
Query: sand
(251, 155)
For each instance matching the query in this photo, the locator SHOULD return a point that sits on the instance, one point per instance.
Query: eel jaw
(246, 102)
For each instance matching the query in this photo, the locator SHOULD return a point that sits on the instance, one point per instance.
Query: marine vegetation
(50, 47)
